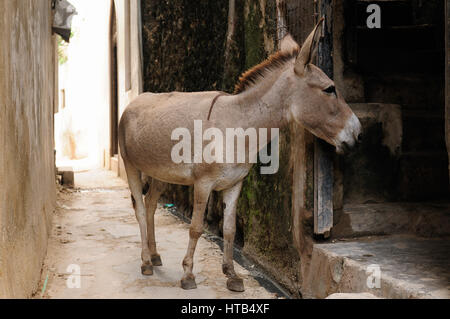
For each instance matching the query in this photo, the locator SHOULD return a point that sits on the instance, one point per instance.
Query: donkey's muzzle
(349, 135)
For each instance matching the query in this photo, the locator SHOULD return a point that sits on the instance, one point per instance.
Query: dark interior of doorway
(403, 64)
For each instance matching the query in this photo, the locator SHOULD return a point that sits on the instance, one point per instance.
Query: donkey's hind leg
(230, 199)
(135, 184)
(151, 201)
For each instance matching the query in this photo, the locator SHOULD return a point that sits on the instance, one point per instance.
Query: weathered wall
(27, 172)
(183, 44)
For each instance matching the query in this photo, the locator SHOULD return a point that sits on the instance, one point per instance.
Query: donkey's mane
(276, 60)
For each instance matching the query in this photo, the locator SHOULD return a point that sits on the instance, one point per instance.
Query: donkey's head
(315, 102)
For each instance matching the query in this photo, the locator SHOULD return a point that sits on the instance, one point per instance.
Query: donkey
(284, 88)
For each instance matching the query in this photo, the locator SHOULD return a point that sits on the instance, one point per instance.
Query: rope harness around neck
(214, 102)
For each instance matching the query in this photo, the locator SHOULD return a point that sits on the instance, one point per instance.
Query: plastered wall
(27, 173)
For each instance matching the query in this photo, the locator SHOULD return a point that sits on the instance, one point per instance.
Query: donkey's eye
(330, 90)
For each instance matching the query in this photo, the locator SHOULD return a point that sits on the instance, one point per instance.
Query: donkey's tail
(121, 137)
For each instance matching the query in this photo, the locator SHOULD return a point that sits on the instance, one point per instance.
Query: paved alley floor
(94, 250)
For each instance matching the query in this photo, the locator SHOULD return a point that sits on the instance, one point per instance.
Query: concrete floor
(409, 267)
(95, 229)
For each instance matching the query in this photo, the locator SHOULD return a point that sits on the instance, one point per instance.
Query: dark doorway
(401, 64)
(114, 108)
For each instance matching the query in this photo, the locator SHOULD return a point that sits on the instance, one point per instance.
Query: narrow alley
(94, 250)
(308, 143)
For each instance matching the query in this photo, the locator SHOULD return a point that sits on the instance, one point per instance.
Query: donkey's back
(147, 102)
(146, 128)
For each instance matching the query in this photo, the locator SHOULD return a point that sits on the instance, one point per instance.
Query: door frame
(114, 90)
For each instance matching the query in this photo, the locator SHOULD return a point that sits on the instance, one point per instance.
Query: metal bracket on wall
(62, 18)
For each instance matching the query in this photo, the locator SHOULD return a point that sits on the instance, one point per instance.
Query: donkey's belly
(222, 176)
(174, 174)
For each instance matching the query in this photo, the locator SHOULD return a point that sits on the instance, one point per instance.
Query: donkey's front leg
(201, 194)
(230, 199)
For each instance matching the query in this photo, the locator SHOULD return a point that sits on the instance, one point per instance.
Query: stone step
(363, 295)
(386, 267)
(67, 176)
(422, 219)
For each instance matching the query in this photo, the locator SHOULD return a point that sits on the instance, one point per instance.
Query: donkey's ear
(309, 48)
(288, 44)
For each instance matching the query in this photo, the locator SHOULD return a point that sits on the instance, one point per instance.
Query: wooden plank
(323, 152)
(323, 187)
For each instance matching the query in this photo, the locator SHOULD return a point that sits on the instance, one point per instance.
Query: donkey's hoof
(147, 269)
(188, 283)
(235, 284)
(156, 260)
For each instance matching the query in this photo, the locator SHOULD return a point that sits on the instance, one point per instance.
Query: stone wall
(183, 44)
(27, 171)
